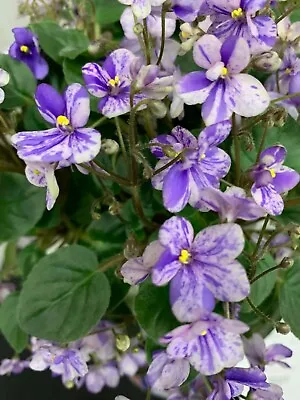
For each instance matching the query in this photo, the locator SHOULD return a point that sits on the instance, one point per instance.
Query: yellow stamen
(69, 385)
(36, 172)
(224, 71)
(24, 49)
(202, 156)
(62, 120)
(114, 82)
(203, 333)
(288, 71)
(272, 172)
(185, 35)
(184, 257)
(237, 13)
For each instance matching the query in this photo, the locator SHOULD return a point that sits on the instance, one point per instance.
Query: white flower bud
(269, 61)
(110, 146)
(158, 109)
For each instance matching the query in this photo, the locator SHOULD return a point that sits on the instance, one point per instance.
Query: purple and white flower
(231, 204)
(202, 164)
(131, 361)
(13, 366)
(68, 141)
(167, 373)
(273, 392)
(142, 8)
(271, 179)
(4, 79)
(260, 355)
(201, 267)
(99, 376)
(210, 344)
(223, 89)
(26, 49)
(289, 32)
(238, 18)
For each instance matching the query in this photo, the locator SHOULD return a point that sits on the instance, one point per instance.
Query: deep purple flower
(136, 270)
(202, 164)
(238, 18)
(99, 376)
(210, 344)
(26, 49)
(167, 373)
(232, 385)
(223, 89)
(200, 267)
(260, 355)
(272, 178)
(231, 204)
(68, 140)
(13, 366)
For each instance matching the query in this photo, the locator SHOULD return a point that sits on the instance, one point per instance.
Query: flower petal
(194, 87)
(113, 106)
(215, 134)
(207, 51)
(158, 180)
(134, 271)
(96, 79)
(77, 105)
(184, 137)
(176, 234)
(4, 77)
(176, 191)
(141, 8)
(285, 179)
(40, 67)
(85, 144)
(268, 198)
(215, 109)
(118, 63)
(273, 155)
(49, 102)
(235, 54)
(252, 377)
(163, 272)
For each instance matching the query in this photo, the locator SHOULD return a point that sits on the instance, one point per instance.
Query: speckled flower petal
(185, 137)
(158, 180)
(85, 144)
(273, 155)
(215, 108)
(268, 198)
(207, 51)
(176, 191)
(118, 63)
(235, 54)
(176, 234)
(96, 79)
(77, 105)
(285, 179)
(194, 87)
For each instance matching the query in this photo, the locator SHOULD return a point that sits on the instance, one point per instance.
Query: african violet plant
(165, 137)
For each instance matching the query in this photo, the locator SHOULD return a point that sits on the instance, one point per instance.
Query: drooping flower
(223, 89)
(238, 18)
(26, 49)
(210, 344)
(68, 141)
(234, 381)
(260, 355)
(4, 79)
(99, 376)
(271, 179)
(202, 164)
(136, 270)
(231, 204)
(166, 373)
(201, 266)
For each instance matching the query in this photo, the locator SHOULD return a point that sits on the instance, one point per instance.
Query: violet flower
(223, 89)
(26, 49)
(131, 361)
(99, 376)
(188, 10)
(232, 385)
(238, 18)
(231, 204)
(4, 79)
(273, 392)
(272, 178)
(68, 140)
(13, 366)
(167, 373)
(201, 267)
(210, 344)
(260, 355)
(202, 164)
(136, 270)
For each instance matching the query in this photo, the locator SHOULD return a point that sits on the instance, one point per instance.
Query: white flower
(4, 79)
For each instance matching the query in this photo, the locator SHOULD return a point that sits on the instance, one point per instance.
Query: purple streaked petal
(246, 96)
(77, 105)
(118, 63)
(266, 35)
(268, 198)
(184, 137)
(85, 144)
(35, 173)
(277, 352)
(235, 54)
(215, 108)
(207, 51)
(163, 273)
(273, 155)
(134, 271)
(218, 244)
(113, 106)
(194, 87)
(215, 165)
(252, 377)
(252, 6)
(255, 349)
(96, 79)
(176, 234)
(176, 190)
(215, 134)
(157, 151)
(49, 102)
(285, 179)
(273, 392)
(224, 6)
(158, 180)
(187, 10)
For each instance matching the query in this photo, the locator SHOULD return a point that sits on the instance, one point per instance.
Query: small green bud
(138, 29)
(122, 342)
(283, 328)
(132, 248)
(286, 263)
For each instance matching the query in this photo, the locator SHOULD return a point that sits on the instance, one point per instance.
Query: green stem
(163, 34)
(237, 150)
(259, 312)
(148, 396)
(227, 309)
(98, 122)
(111, 176)
(267, 271)
(288, 96)
(111, 262)
(286, 13)
(121, 140)
(139, 208)
(262, 142)
(147, 41)
(166, 166)
(256, 250)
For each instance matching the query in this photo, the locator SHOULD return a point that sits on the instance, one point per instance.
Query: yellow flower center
(202, 156)
(224, 71)
(62, 120)
(24, 49)
(184, 257)
(36, 172)
(288, 71)
(185, 35)
(114, 82)
(237, 13)
(203, 333)
(69, 385)
(272, 172)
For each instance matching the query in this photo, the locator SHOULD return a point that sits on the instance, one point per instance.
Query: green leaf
(153, 311)
(107, 229)
(21, 86)
(10, 327)
(64, 296)
(72, 71)
(33, 121)
(21, 205)
(108, 14)
(289, 300)
(28, 257)
(58, 43)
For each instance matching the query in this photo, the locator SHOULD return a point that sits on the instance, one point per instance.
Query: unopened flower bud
(122, 342)
(138, 29)
(110, 146)
(283, 328)
(158, 109)
(132, 248)
(94, 48)
(115, 208)
(279, 117)
(269, 61)
(96, 209)
(286, 263)
(69, 385)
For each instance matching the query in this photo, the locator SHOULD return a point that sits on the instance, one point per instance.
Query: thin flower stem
(207, 384)
(259, 312)
(163, 34)
(267, 271)
(227, 310)
(139, 208)
(286, 13)
(147, 41)
(98, 122)
(121, 140)
(226, 182)
(237, 150)
(113, 177)
(111, 262)
(148, 397)
(287, 97)
(262, 142)
(269, 240)
(166, 166)
(256, 250)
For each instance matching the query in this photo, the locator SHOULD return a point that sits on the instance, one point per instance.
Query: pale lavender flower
(13, 366)
(202, 164)
(231, 205)
(188, 10)
(131, 361)
(289, 32)
(99, 376)
(26, 49)
(239, 18)
(4, 79)
(167, 373)
(210, 344)
(272, 178)
(142, 8)
(223, 89)
(201, 267)
(287, 104)
(68, 141)
(273, 392)
(136, 270)
(260, 355)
